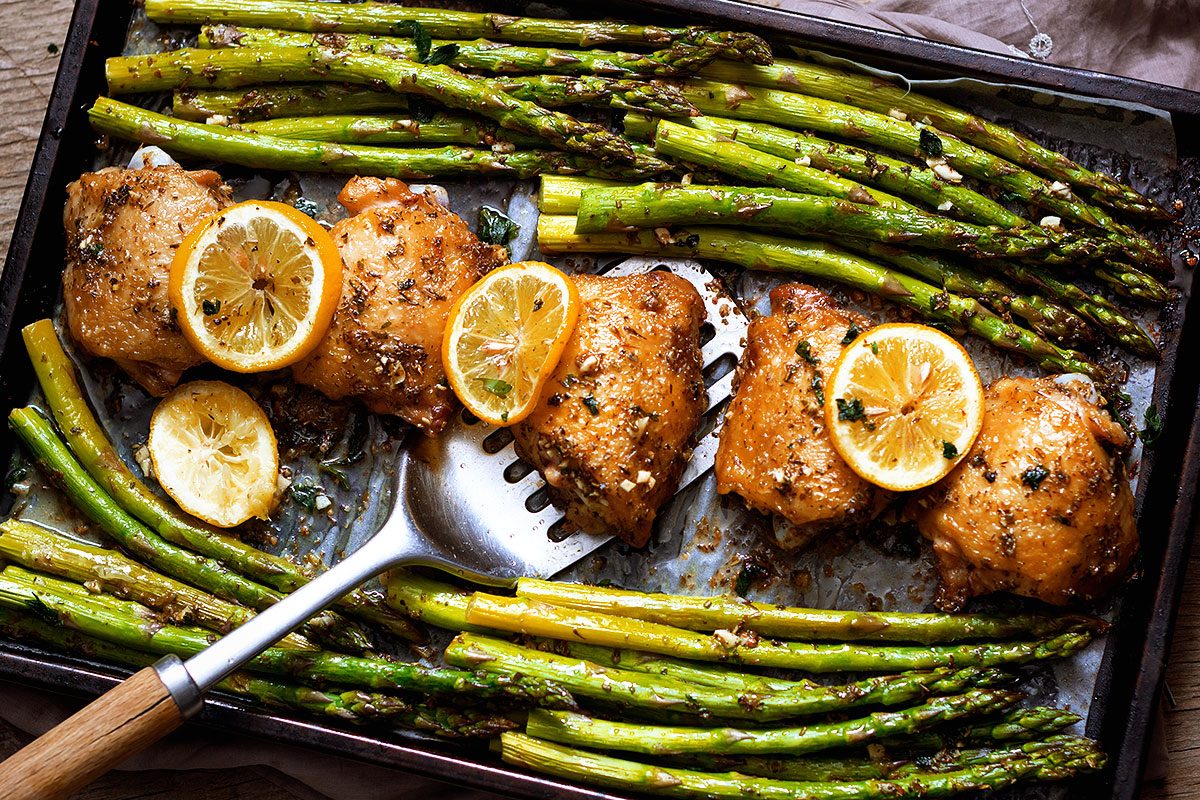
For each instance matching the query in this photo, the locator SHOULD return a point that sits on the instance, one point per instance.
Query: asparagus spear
(432, 602)
(519, 615)
(540, 756)
(948, 157)
(138, 540)
(851, 768)
(90, 444)
(646, 691)
(870, 92)
(1095, 308)
(285, 100)
(1049, 320)
(440, 129)
(817, 260)
(233, 68)
(481, 54)
(555, 91)
(109, 571)
(1020, 724)
(567, 727)
(769, 619)
(111, 619)
(706, 150)
(394, 19)
(654, 205)
(893, 175)
(269, 152)
(347, 705)
(692, 672)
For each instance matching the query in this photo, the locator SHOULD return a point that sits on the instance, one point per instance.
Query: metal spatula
(469, 507)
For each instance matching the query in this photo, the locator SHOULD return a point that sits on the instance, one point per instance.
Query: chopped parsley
(593, 405)
(495, 227)
(497, 387)
(949, 451)
(538, 303)
(211, 307)
(804, 350)
(818, 388)
(852, 333)
(875, 348)
(443, 54)
(305, 494)
(1033, 476)
(421, 38)
(1154, 426)
(931, 145)
(852, 411)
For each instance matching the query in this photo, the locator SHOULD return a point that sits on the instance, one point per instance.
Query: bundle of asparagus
(711, 729)
(295, 84)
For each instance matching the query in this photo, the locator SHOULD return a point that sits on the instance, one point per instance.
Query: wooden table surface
(30, 36)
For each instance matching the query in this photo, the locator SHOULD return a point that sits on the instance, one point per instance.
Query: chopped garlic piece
(628, 485)
(896, 113)
(644, 476)
(1054, 223)
(1060, 189)
(804, 161)
(946, 206)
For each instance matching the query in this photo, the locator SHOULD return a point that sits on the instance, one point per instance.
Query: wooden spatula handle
(88, 744)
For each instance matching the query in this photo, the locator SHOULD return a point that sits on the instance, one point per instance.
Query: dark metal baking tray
(1132, 670)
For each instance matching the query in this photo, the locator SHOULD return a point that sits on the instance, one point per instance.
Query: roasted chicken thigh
(123, 227)
(406, 260)
(774, 450)
(1041, 506)
(614, 426)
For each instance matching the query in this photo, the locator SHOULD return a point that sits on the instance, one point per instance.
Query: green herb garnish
(421, 38)
(1154, 426)
(852, 333)
(804, 350)
(852, 411)
(211, 307)
(818, 388)
(949, 451)
(443, 54)
(497, 387)
(592, 404)
(1033, 476)
(931, 145)
(495, 227)
(305, 495)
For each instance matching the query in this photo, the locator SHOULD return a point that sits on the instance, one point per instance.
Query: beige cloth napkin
(1156, 40)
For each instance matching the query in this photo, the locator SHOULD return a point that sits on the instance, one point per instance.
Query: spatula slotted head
(482, 506)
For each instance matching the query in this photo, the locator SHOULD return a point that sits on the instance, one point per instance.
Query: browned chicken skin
(407, 259)
(615, 424)
(774, 449)
(1041, 506)
(123, 227)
